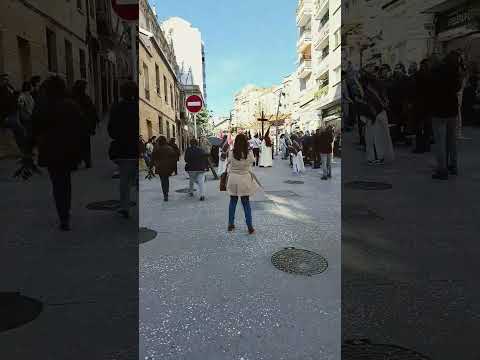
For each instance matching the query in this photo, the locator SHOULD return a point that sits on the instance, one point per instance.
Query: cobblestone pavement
(209, 294)
(84, 278)
(410, 254)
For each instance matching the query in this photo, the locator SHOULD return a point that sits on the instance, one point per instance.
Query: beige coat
(241, 181)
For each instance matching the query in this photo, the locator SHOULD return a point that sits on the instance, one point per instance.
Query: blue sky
(246, 42)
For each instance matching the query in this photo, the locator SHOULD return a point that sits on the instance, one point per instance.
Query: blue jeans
(246, 209)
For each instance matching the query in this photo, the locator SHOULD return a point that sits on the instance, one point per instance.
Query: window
(146, 84)
(168, 130)
(79, 5)
(337, 39)
(83, 64)
(165, 89)
(157, 78)
(174, 135)
(149, 129)
(160, 125)
(25, 58)
(52, 51)
(92, 8)
(171, 97)
(69, 62)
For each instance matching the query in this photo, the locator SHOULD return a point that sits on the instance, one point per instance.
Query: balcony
(304, 12)
(322, 36)
(305, 68)
(321, 92)
(304, 41)
(323, 65)
(319, 8)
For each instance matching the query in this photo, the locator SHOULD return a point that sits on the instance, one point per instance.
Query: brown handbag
(223, 181)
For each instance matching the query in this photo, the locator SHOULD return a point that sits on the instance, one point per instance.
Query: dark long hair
(240, 148)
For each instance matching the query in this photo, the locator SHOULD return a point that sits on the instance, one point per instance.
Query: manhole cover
(146, 235)
(108, 205)
(360, 213)
(368, 185)
(363, 349)
(184, 191)
(294, 182)
(282, 193)
(262, 205)
(298, 261)
(17, 310)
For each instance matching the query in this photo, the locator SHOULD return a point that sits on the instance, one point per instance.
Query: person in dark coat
(57, 132)
(164, 159)
(326, 150)
(316, 149)
(177, 152)
(123, 129)
(80, 96)
(469, 98)
(422, 102)
(446, 83)
(196, 160)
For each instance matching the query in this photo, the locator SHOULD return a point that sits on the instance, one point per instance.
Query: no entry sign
(194, 103)
(126, 9)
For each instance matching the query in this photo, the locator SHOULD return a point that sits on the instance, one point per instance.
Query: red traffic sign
(194, 103)
(126, 9)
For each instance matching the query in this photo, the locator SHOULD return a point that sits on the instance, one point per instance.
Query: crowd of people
(53, 125)
(388, 106)
(235, 157)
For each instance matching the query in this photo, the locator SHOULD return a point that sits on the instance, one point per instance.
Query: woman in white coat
(223, 151)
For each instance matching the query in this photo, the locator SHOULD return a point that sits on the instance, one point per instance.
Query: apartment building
(160, 89)
(190, 51)
(319, 63)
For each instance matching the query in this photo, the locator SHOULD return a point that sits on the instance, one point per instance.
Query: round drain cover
(184, 191)
(146, 235)
(17, 310)
(368, 185)
(108, 205)
(294, 182)
(363, 349)
(298, 261)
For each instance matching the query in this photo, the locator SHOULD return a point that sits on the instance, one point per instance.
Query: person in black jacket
(80, 96)
(446, 82)
(164, 159)
(177, 152)
(123, 129)
(196, 161)
(422, 102)
(57, 132)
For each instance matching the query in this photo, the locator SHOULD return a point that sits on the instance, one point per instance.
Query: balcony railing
(305, 39)
(305, 67)
(304, 12)
(321, 92)
(318, 7)
(322, 35)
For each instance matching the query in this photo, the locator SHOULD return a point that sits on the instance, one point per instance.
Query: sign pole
(195, 124)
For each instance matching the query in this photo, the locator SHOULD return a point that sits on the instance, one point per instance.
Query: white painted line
(195, 103)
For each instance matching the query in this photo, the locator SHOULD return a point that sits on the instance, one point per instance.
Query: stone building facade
(161, 99)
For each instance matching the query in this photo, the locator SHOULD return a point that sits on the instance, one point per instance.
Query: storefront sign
(335, 110)
(454, 19)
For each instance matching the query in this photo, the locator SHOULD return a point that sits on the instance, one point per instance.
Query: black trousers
(165, 181)
(87, 151)
(256, 153)
(62, 191)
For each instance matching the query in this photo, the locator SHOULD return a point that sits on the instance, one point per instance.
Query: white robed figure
(223, 151)
(266, 155)
(297, 157)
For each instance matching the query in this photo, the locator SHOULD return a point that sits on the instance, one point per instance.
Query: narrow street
(85, 278)
(209, 294)
(410, 254)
